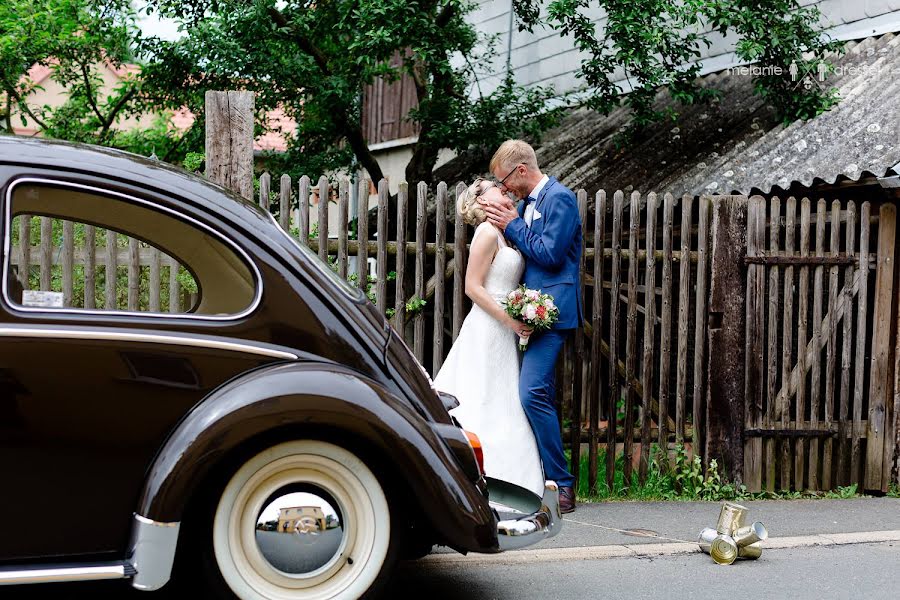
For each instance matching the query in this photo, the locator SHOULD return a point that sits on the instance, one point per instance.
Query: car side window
(71, 247)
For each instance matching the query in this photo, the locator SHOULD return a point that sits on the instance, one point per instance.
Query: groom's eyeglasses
(503, 181)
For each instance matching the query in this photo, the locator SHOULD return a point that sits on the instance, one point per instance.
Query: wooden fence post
(725, 363)
(879, 430)
(229, 140)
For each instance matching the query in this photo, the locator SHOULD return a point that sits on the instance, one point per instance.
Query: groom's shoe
(566, 500)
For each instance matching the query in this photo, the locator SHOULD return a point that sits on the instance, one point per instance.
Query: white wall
(546, 58)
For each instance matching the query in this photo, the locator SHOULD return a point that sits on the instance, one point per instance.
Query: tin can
(731, 518)
(750, 552)
(723, 549)
(750, 534)
(706, 537)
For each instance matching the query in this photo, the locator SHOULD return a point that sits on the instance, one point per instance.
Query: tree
(313, 59)
(75, 38)
(656, 43)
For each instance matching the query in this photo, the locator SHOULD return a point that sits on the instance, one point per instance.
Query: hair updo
(467, 203)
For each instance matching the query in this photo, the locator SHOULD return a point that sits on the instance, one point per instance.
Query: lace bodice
(505, 272)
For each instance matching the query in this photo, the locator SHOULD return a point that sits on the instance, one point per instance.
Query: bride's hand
(521, 329)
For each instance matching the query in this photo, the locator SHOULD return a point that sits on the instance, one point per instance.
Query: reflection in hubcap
(299, 530)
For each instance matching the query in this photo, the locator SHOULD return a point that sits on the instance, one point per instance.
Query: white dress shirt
(529, 210)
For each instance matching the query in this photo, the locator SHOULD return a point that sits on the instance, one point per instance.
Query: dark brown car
(277, 439)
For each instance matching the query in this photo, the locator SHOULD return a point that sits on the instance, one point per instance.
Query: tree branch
(111, 117)
(24, 106)
(305, 44)
(88, 90)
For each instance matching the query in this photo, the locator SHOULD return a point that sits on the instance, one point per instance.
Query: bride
(482, 368)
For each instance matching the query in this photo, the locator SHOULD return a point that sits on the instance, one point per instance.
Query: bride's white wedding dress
(482, 371)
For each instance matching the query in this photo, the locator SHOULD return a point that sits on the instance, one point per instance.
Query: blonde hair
(511, 153)
(467, 204)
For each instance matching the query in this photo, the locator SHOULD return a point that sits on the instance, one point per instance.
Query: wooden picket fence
(680, 344)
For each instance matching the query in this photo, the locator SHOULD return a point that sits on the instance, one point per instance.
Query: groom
(546, 227)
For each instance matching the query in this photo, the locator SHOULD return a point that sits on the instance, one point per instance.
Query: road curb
(644, 550)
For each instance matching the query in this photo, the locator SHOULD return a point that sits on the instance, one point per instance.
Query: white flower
(533, 295)
(549, 304)
(530, 312)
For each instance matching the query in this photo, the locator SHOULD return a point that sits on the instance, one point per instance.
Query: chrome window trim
(150, 338)
(7, 248)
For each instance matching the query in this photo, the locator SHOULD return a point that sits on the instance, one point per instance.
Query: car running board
(66, 572)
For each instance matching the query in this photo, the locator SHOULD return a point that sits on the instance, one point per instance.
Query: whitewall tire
(340, 548)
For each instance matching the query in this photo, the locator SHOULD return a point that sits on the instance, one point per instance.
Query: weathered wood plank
(802, 328)
(684, 311)
(90, 267)
(421, 222)
(578, 353)
(24, 250)
(68, 263)
(284, 202)
(440, 264)
(665, 335)
(727, 333)
(831, 347)
(614, 312)
(700, 335)
(229, 140)
(174, 287)
(787, 327)
(322, 219)
(596, 387)
(303, 210)
(843, 468)
(877, 450)
(381, 267)
(343, 253)
(134, 274)
(265, 190)
(459, 272)
(772, 334)
(813, 480)
(111, 270)
(649, 336)
(754, 353)
(362, 235)
(400, 265)
(861, 329)
(155, 281)
(46, 253)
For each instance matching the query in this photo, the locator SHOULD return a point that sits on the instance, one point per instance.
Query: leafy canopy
(654, 44)
(314, 59)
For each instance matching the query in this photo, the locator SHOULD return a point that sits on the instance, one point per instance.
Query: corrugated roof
(735, 144)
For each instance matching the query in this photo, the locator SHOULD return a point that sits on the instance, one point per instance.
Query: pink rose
(533, 295)
(530, 312)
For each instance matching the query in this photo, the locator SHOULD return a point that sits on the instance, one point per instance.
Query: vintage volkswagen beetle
(279, 435)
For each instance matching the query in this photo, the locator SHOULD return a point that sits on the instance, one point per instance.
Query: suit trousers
(537, 392)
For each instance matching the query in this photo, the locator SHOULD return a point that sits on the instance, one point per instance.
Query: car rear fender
(309, 395)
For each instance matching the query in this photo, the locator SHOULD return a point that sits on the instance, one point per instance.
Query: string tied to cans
(732, 539)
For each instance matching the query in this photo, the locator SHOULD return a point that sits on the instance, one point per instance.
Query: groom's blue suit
(552, 249)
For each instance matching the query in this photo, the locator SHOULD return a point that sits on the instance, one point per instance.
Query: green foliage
(193, 161)
(75, 38)
(685, 479)
(894, 491)
(315, 63)
(656, 44)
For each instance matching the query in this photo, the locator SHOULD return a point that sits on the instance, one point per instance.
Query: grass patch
(686, 480)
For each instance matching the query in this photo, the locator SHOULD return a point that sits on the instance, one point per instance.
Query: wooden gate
(818, 377)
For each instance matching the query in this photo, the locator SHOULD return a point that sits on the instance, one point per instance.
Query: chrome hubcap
(300, 529)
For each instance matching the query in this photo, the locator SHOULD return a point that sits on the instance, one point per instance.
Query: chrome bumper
(524, 519)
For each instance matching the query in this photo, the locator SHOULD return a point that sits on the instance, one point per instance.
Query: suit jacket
(552, 249)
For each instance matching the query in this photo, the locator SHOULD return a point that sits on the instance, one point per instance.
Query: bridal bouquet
(533, 308)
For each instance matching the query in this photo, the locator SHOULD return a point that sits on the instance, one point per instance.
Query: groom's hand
(500, 215)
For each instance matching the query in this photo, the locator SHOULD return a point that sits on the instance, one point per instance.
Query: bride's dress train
(482, 371)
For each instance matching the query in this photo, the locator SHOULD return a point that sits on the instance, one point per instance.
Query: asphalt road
(859, 570)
